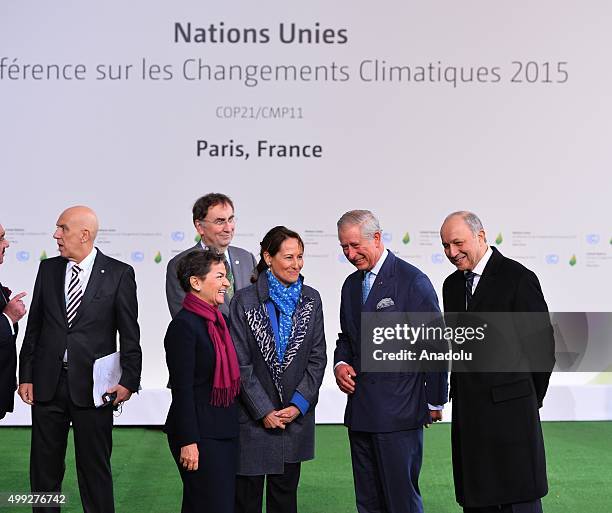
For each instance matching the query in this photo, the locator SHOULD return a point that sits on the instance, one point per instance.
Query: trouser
(386, 469)
(281, 491)
(521, 507)
(92, 432)
(211, 488)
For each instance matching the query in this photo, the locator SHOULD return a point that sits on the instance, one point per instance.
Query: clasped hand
(280, 418)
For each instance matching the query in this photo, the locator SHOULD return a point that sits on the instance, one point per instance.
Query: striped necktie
(469, 284)
(75, 294)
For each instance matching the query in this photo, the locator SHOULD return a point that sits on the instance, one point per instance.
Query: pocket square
(385, 303)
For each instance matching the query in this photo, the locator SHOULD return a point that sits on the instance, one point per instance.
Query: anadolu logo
(499, 239)
(177, 236)
(158, 258)
(137, 256)
(437, 258)
(573, 260)
(406, 238)
(592, 238)
(22, 256)
(552, 259)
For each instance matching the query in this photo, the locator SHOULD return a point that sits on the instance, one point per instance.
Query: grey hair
(471, 219)
(365, 219)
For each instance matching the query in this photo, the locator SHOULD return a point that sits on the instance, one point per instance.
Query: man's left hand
(123, 394)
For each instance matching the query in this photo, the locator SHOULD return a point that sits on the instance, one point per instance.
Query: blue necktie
(365, 287)
(469, 283)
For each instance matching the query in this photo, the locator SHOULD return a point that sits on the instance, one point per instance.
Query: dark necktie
(3, 299)
(229, 293)
(469, 283)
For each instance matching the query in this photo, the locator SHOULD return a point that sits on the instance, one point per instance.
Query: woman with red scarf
(202, 424)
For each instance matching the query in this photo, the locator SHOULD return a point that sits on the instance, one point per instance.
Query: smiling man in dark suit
(12, 311)
(214, 220)
(386, 411)
(81, 300)
(497, 444)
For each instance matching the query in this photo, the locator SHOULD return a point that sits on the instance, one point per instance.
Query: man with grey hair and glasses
(385, 411)
(497, 445)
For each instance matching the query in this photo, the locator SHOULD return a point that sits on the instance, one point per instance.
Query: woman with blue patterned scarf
(277, 328)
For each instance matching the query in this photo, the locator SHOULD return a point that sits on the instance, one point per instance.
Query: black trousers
(521, 507)
(211, 488)
(92, 431)
(281, 491)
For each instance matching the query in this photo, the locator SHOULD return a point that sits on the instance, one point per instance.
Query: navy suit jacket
(8, 361)
(190, 357)
(387, 401)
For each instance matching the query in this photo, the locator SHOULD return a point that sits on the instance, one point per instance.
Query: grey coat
(265, 451)
(241, 261)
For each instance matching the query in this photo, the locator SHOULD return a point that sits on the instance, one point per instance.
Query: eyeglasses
(220, 222)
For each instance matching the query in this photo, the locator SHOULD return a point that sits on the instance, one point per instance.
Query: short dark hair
(201, 206)
(197, 263)
(271, 244)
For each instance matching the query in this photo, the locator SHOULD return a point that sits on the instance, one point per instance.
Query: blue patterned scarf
(286, 300)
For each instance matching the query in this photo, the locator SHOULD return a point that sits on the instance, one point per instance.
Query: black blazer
(498, 448)
(8, 361)
(109, 305)
(190, 357)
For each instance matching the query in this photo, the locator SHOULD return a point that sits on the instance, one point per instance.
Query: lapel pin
(102, 271)
(236, 262)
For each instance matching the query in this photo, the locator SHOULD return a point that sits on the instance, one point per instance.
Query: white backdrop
(501, 109)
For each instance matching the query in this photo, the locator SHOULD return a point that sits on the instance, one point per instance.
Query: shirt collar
(205, 247)
(480, 266)
(86, 264)
(376, 269)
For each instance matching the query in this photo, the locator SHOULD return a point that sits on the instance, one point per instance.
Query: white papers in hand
(106, 374)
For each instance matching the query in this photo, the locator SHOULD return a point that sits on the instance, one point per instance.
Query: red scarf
(226, 379)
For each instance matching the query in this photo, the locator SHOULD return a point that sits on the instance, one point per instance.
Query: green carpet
(579, 458)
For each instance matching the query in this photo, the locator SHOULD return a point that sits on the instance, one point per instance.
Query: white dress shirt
(11, 327)
(86, 266)
(371, 275)
(479, 268)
